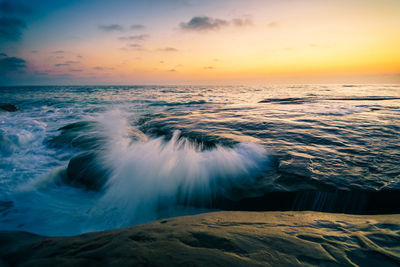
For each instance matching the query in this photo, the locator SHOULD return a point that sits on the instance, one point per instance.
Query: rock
(79, 134)
(85, 170)
(221, 239)
(88, 135)
(9, 107)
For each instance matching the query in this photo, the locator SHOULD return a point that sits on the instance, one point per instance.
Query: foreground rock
(221, 239)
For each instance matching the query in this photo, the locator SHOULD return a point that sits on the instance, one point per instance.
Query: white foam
(150, 174)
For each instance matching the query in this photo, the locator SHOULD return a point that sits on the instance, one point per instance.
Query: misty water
(80, 159)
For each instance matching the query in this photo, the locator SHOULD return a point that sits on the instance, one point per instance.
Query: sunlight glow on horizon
(231, 40)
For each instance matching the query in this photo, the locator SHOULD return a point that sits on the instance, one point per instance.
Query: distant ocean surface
(80, 159)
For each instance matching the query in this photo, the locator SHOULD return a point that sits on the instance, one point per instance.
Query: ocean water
(80, 159)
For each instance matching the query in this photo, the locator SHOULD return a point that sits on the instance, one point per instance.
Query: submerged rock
(85, 170)
(9, 107)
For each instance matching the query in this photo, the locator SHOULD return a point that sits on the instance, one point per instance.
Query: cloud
(76, 70)
(58, 52)
(139, 37)
(34, 51)
(61, 65)
(71, 62)
(203, 23)
(11, 28)
(168, 49)
(137, 27)
(272, 24)
(12, 7)
(111, 27)
(172, 70)
(135, 45)
(209, 68)
(238, 22)
(3, 55)
(102, 68)
(12, 64)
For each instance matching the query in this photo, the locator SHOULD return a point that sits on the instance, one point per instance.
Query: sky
(68, 42)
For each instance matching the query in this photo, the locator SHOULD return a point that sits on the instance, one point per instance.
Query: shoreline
(219, 239)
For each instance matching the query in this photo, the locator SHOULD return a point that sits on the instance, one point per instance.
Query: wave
(301, 100)
(165, 103)
(145, 179)
(151, 175)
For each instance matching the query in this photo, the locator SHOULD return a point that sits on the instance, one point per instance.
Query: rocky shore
(220, 239)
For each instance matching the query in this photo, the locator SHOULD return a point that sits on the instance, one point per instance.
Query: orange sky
(176, 42)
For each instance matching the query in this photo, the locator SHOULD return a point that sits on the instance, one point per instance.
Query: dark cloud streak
(139, 37)
(137, 27)
(204, 23)
(13, 7)
(168, 49)
(11, 28)
(12, 64)
(111, 28)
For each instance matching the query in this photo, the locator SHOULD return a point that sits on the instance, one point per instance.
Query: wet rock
(88, 135)
(85, 170)
(79, 134)
(9, 107)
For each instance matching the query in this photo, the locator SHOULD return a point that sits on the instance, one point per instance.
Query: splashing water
(150, 178)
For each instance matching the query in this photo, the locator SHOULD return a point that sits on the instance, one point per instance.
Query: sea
(77, 159)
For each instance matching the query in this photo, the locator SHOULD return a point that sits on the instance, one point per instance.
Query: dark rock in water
(79, 134)
(87, 135)
(9, 107)
(84, 170)
(5, 205)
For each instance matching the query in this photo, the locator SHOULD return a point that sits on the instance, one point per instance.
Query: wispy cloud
(71, 62)
(273, 24)
(111, 27)
(168, 49)
(102, 68)
(209, 68)
(139, 37)
(58, 52)
(11, 28)
(137, 27)
(241, 22)
(61, 65)
(171, 70)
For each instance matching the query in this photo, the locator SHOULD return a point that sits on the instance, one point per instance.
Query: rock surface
(85, 170)
(221, 239)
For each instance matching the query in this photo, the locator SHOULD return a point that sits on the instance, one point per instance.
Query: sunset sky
(199, 42)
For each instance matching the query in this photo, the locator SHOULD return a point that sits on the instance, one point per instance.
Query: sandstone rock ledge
(221, 239)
